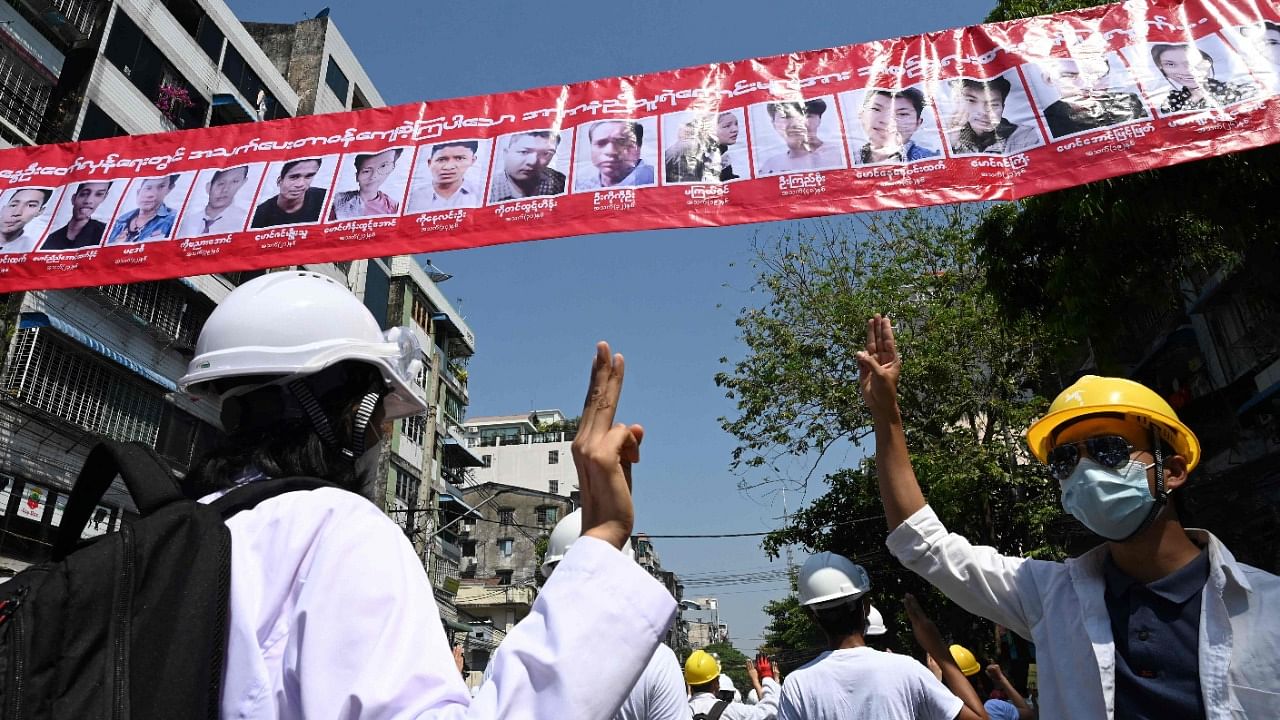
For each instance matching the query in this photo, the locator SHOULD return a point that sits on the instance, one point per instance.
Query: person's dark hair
(363, 158)
(217, 174)
(284, 169)
(842, 620)
(997, 84)
(80, 186)
(1159, 49)
(46, 192)
(471, 145)
(546, 134)
(636, 129)
(266, 429)
(712, 687)
(816, 106)
(911, 94)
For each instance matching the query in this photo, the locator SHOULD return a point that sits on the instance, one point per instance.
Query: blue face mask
(1114, 504)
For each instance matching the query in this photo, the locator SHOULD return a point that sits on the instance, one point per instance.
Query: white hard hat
(296, 323)
(875, 622)
(828, 578)
(563, 535)
(726, 683)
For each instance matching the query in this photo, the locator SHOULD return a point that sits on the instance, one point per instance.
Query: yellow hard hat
(1093, 394)
(965, 659)
(701, 668)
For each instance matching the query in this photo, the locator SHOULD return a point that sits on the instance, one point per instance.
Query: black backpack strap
(717, 710)
(249, 495)
(150, 481)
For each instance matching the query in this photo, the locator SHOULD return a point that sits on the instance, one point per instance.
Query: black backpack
(132, 624)
(716, 711)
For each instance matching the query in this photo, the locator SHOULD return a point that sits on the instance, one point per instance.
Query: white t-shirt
(866, 684)
(660, 694)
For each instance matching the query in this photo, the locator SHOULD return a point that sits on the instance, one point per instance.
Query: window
(504, 577)
(415, 429)
(407, 487)
(506, 546)
(146, 67)
(98, 125)
(553, 457)
(209, 38)
(487, 460)
(337, 81)
(249, 84)
(506, 516)
(553, 487)
(548, 515)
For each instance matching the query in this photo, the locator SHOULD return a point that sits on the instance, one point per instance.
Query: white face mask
(1111, 503)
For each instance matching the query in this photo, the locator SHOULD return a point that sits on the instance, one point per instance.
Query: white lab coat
(660, 694)
(1061, 608)
(766, 709)
(332, 616)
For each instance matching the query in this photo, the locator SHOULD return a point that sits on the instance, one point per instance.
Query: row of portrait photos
(1010, 113)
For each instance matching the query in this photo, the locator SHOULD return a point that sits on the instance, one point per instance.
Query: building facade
(647, 556)
(529, 451)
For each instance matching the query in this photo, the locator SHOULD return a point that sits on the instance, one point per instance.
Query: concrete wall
(527, 466)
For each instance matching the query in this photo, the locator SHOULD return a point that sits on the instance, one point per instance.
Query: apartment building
(530, 450)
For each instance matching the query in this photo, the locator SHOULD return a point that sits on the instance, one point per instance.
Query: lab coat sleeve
(591, 632)
(766, 709)
(975, 577)
(367, 641)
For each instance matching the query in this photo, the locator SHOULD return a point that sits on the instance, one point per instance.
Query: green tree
(790, 627)
(968, 368)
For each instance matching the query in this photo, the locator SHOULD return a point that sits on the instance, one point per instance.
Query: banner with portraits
(990, 112)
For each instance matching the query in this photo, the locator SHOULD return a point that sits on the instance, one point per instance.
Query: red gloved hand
(764, 667)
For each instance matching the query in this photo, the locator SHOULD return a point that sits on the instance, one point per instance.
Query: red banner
(982, 113)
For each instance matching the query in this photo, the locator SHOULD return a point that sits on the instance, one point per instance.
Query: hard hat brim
(1040, 432)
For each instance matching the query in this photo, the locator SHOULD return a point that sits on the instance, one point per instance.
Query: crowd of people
(332, 614)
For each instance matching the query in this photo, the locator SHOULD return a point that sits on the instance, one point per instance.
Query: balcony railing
(523, 439)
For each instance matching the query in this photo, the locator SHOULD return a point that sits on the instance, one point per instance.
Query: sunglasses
(1111, 451)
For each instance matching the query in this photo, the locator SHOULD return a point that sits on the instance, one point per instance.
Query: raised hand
(879, 368)
(603, 453)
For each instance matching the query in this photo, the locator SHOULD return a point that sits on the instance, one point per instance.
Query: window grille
(47, 373)
(23, 93)
(161, 305)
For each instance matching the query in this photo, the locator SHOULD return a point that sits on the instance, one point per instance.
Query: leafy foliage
(967, 368)
(732, 663)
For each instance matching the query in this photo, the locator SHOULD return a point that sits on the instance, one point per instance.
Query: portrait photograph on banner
(616, 154)
(531, 163)
(1258, 45)
(150, 209)
(221, 200)
(371, 184)
(25, 214)
(83, 215)
(791, 136)
(1186, 77)
(294, 191)
(1088, 91)
(449, 175)
(891, 125)
(704, 147)
(987, 116)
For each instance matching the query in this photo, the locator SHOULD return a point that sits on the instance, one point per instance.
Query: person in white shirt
(797, 124)
(1159, 621)
(331, 613)
(221, 214)
(660, 693)
(851, 679)
(449, 186)
(702, 673)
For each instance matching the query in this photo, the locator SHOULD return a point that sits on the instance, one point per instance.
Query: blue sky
(666, 299)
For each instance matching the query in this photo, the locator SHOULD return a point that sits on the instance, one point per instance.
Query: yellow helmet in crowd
(1093, 394)
(701, 668)
(965, 659)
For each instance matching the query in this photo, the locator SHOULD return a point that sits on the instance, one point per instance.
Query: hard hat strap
(1161, 496)
(364, 412)
(314, 411)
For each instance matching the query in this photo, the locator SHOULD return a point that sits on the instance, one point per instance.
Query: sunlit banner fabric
(991, 112)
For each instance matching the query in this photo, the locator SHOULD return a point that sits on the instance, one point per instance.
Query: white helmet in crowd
(562, 536)
(875, 622)
(726, 684)
(296, 323)
(829, 579)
